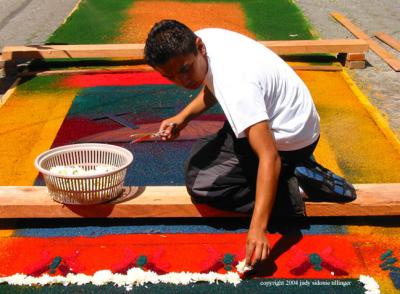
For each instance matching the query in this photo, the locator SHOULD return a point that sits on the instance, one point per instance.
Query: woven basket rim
(82, 146)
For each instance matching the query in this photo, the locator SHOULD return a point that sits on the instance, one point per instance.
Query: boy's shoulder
(219, 33)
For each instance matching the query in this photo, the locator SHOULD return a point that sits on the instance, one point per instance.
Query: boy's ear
(200, 46)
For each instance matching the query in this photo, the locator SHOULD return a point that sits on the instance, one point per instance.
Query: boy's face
(188, 71)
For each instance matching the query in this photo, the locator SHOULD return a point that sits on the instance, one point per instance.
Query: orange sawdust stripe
(363, 152)
(29, 123)
(144, 14)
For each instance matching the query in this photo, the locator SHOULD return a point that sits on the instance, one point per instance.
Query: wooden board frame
(146, 68)
(391, 60)
(135, 51)
(174, 201)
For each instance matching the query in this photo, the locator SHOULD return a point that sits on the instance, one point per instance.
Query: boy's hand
(257, 246)
(171, 127)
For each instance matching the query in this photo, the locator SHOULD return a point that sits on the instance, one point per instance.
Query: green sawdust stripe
(273, 19)
(98, 21)
(277, 20)
(93, 22)
(40, 84)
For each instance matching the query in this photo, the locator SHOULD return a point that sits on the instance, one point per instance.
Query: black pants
(222, 171)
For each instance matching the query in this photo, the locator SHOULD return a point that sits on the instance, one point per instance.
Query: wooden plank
(392, 42)
(136, 68)
(2, 65)
(135, 51)
(173, 201)
(317, 67)
(9, 92)
(131, 51)
(380, 51)
(316, 46)
(146, 68)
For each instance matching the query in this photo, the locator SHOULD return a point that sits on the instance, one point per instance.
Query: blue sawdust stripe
(279, 286)
(158, 163)
(94, 228)
(97, 227)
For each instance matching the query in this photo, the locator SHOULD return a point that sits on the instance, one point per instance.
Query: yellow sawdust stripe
(78, 3)
(9, 92)
(325, 155)
(29, 123)
(371, 230)
(6, 233)
(384, 281)
(380, 121)
(362, 150)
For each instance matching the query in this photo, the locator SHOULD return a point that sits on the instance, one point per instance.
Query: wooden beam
(392, 42)
(131, 51)
(136, 68)
(317, 67)
(380, 51)
(146, 68)
(9, 92)
(316, 46)
(135, 51)
(2, 65)
(172, 201)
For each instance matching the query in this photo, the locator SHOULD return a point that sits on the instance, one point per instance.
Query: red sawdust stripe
(112, 79)
(182, 252)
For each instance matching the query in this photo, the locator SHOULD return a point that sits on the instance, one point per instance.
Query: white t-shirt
(253, 84)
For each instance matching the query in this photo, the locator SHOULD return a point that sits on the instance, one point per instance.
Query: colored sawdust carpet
(102, 21)
(145, 99)
(328, 261)
(52, 111)
(303, 258)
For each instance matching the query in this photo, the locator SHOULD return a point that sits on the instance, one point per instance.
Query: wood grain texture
(355, 57)
(174, 201)
(391, 60)
(146, 68)
(392, 42)
(135, 51)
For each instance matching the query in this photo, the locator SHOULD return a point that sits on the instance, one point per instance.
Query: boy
(272, 125)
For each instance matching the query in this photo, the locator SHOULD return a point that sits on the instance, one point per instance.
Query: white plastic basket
(85, 189)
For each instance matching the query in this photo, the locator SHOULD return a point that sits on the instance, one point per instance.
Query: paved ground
(25, 22)
(32, 21)
(378, 81)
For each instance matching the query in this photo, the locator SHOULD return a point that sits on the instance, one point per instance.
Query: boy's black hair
(168, 39)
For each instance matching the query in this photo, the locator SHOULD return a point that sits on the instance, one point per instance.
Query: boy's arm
(171, 126)
(261, 140)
